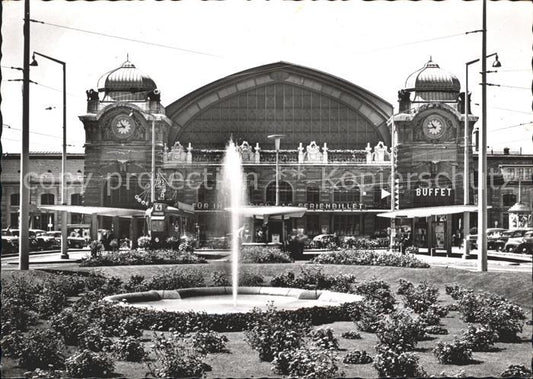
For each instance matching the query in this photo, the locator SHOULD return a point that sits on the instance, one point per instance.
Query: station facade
(342, 148)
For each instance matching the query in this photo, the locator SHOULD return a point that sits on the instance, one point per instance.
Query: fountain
(233, 186)
(221, 300)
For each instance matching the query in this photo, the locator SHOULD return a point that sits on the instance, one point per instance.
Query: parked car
(323, 241)
(526, 246)
(44, 241)
(10, 243)
(14, 234)
(516, 239)
(493, 234)
(75, 242)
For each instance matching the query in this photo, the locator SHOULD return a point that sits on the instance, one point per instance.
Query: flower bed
(141, 257)
(262, 254)
(370, 258)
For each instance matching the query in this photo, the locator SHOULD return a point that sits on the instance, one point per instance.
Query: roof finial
(431, 58)
(127, 57)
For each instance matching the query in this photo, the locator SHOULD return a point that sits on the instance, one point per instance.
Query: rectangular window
(14, 220)
(313, 225)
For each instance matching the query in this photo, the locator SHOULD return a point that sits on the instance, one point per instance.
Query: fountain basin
(219, 300)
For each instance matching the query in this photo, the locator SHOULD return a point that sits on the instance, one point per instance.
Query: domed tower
(122, 114)
(430, 138)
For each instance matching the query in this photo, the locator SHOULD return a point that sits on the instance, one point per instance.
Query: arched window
(313, 194)
(285, 193)
(47, 199)
(15, 199)
(344, 195)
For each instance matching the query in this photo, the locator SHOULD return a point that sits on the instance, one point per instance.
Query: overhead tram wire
(126, 38)
(37, 133)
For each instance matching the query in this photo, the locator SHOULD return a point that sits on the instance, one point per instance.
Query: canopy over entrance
(181, 208)
(430, 211)
(271, 212)
(100, 211)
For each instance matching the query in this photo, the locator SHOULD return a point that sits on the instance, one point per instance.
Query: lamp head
(276, 138)
(496, 62)
(33, 61)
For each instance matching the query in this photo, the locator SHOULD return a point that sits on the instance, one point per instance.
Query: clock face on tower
(434, 127)
(123, 126)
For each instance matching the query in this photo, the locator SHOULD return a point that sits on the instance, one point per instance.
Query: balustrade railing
(311, 154)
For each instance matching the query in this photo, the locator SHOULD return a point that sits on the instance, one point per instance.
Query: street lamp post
(277, 138)
(466, 172)
(64, 240)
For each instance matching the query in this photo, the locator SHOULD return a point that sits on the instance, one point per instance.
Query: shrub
(516, 371)
(70, 324)
(456, 352)
(175, 278)
(343, 283)
(351, 335)
(173, 243)
(479, 338)
(305, 363)
(96, 248)
(390, 363)
(22, 289)
(220, 279)
(470, 306)
(129, 349)
(434, 329)
(16, 316)
(43, 374)
(364, 243)
(51, 300)
(262, 254)
(369, 258)
(497, 313)
(141, 257)
(135, 283)
(41, 348)
(11, 344)
(144, 242)
(357, 358)
(129, 326)
(307, 278)
(378, 292)
(209, 342)
(175, 359)
(399, 331)
(369, 317)
(248, 279)
(92, 338)
(88, 364)
(404, 286)
(455, 291)
(324, 339)
(430, 317)
(270, 333)
(504, 318)
(420, 298)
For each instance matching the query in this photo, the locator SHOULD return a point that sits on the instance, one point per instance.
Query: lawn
(242, 361)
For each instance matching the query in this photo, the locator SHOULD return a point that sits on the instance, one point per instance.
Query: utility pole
(482, 154)
(24, 238)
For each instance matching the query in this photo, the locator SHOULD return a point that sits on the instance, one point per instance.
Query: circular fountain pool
(219, 300)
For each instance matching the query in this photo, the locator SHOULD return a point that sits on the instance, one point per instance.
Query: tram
(165, 221)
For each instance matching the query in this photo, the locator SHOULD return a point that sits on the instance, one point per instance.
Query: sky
(184, 45)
